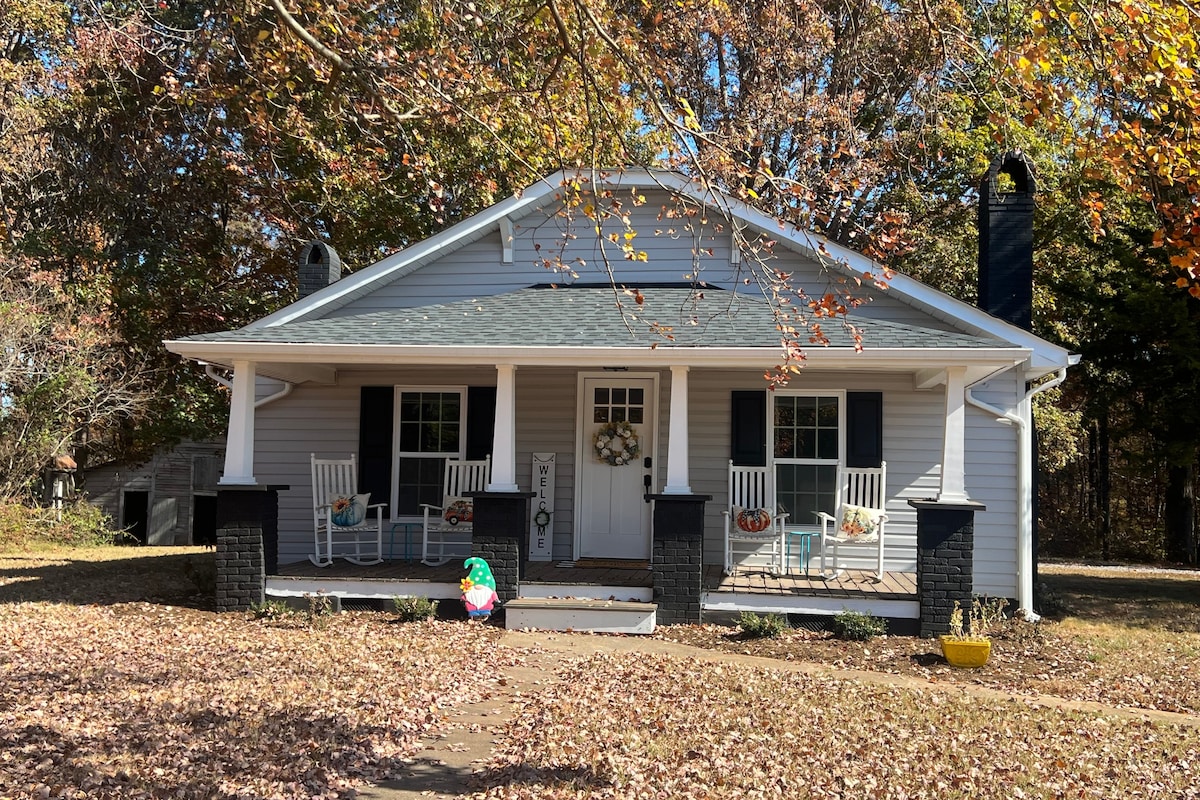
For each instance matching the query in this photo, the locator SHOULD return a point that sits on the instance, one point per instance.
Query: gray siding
(674, 255)
(324, 420)
(992, 480)
(911, 446)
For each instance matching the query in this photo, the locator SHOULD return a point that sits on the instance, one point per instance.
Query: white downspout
(1022, 419)
(271, 398)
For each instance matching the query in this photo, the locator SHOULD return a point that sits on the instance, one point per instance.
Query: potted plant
(968, 645)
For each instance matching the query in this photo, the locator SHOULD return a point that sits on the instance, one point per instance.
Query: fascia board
(350, 354)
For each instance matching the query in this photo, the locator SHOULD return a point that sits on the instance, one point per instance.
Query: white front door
(614, 518)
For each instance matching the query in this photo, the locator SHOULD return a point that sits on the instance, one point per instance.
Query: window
(807, 441)
(429, 430)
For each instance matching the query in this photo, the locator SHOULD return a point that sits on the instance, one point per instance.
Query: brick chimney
(319, 266)
(1006, 240)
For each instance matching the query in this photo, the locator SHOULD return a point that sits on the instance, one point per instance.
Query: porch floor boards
(852, 583)
(400, 570)
(849, 584)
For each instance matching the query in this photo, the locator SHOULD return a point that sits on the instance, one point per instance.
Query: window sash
(808, 444)
(430, 428)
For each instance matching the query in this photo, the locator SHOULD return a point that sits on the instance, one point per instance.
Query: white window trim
(398, 392)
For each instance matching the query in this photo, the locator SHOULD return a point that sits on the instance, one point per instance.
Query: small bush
(855, 626)
(81, 525)
(414, 609)
(765, 626)
(202, 572)
(272, 611)
(320, 609)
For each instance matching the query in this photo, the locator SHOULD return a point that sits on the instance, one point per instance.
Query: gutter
(271, 398)
(1022, 419)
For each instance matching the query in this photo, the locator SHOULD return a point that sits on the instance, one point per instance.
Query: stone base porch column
(247, 544)
(677, 556)
(945, 560)
(498, 536)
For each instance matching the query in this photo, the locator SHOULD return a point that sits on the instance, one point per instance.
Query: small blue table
(409, 550)
(804, 550)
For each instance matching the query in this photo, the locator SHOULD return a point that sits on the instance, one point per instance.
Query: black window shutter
(864, 429)
(481, 421)
(748, 433)
(375, 421)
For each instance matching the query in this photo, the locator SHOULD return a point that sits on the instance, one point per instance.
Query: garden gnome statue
(478, 589)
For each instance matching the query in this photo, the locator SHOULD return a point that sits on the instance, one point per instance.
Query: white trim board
(364, 589)
(816, 606)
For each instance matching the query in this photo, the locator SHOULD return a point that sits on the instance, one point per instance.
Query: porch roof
(591, 316)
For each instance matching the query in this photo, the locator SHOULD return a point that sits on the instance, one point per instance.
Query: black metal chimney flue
(1006, 240)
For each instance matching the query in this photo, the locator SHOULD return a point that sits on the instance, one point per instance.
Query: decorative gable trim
(506, 240)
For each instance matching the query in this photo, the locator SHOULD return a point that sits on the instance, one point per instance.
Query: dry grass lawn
(116, 681)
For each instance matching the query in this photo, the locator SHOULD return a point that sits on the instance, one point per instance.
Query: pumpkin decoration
(753, 520)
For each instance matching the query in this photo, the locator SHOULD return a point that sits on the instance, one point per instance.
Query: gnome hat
(480, 573)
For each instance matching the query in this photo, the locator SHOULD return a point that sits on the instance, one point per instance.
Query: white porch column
(954, 482)
(239, 449)
(677, 435)
(504, 438)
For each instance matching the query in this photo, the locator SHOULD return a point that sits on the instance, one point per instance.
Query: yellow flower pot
(965, 654)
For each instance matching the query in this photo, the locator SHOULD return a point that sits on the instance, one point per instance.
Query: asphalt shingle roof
(576, 316)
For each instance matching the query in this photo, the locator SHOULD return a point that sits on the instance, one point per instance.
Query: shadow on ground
(1137, 600)
(181, 579)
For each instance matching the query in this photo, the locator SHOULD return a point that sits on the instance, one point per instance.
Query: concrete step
(579, 614)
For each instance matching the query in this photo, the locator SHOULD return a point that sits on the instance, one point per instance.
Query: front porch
(894, 597)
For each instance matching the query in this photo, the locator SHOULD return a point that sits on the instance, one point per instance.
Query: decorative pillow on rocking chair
(752, 520)
(860, 523)
(460, 511)
(346, 512)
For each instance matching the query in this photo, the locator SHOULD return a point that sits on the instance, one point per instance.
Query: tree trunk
(1180, 517)
(1102, 488)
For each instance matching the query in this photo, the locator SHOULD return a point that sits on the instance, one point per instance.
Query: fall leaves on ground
(126, 698)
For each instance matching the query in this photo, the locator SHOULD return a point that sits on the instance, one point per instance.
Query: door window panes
(619, 404)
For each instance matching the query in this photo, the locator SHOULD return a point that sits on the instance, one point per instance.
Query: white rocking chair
(446, 529)
(753, 518)
(859, 520)
(342, 522)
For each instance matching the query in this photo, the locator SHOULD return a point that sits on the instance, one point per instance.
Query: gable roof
(1044, 356)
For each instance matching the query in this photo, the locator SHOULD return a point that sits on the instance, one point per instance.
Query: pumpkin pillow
(350, 510)
(860, 523)
(752, 520)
